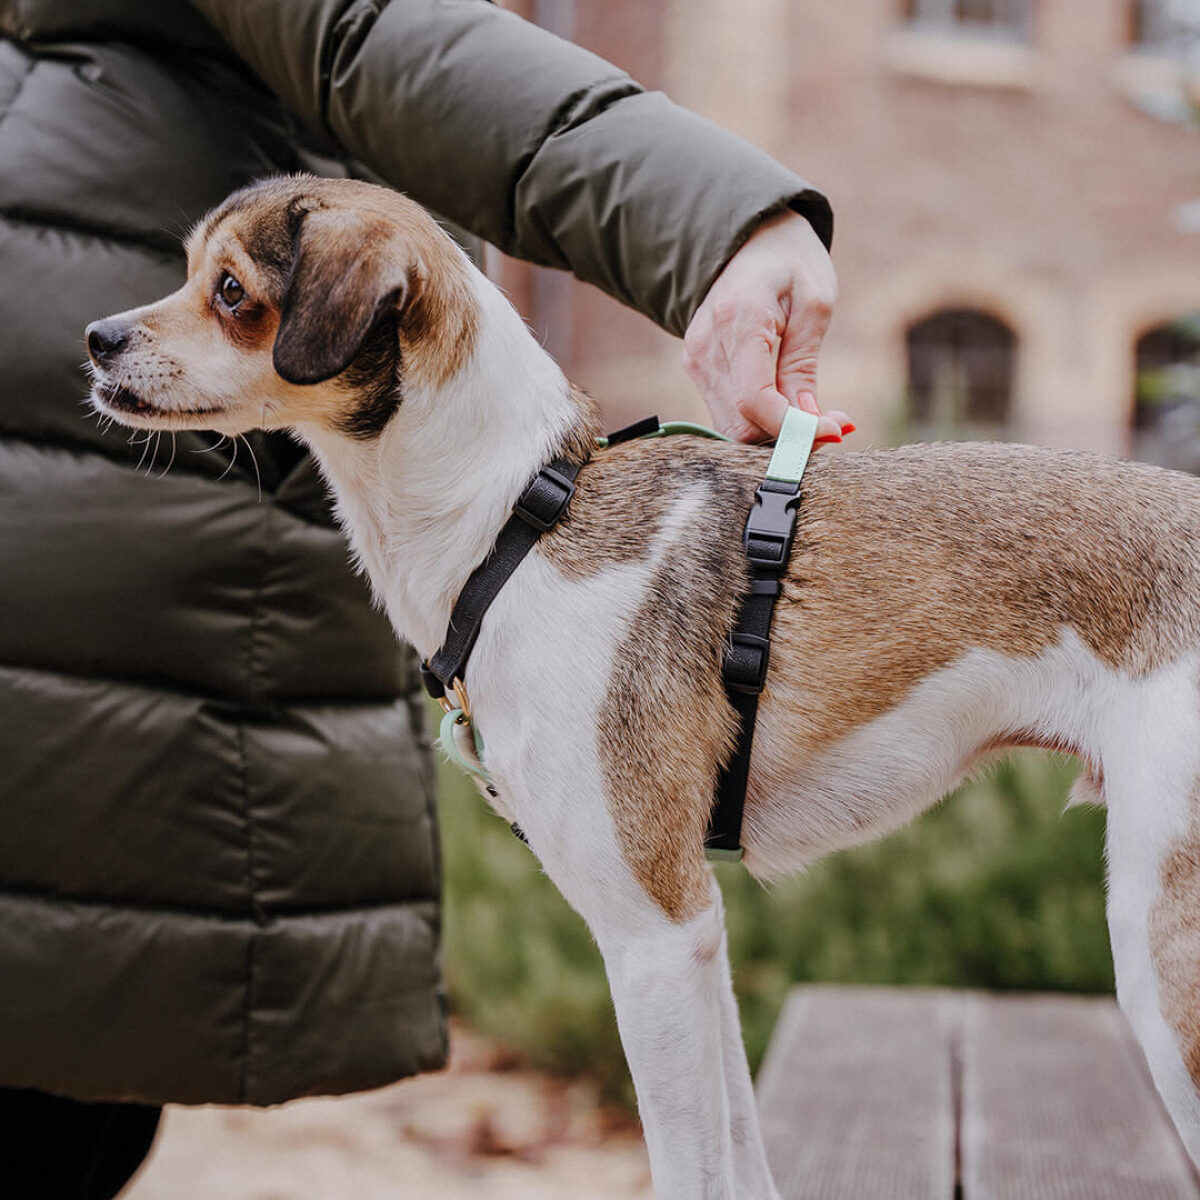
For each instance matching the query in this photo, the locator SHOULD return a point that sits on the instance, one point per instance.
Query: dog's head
(307, 301)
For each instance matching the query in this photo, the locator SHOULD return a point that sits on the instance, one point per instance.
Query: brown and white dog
(942, 602)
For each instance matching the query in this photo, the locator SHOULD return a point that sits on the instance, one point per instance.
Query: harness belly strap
(768, 541)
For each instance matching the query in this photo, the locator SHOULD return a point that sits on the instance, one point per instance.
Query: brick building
(1017, 192)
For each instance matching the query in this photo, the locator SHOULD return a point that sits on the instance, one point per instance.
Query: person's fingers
(742, 367)
(734, 373)
(752, 364)
(808, 318)
(828, 430)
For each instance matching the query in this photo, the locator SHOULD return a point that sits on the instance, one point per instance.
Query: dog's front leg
(751, 1170)
(667, 988)
(668, 978)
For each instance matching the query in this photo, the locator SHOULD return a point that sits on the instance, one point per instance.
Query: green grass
(995, 888)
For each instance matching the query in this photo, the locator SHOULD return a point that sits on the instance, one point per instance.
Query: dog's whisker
(152, 443)
(254, 460)
(232, 459)
(171, 460)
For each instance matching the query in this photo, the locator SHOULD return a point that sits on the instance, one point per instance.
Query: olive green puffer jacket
(218, 868)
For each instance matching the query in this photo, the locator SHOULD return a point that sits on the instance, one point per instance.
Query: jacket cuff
(649, 202)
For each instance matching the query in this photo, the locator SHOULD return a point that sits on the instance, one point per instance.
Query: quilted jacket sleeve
(534, 144)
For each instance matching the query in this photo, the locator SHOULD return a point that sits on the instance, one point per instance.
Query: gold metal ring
(460, 694)
(461, 701)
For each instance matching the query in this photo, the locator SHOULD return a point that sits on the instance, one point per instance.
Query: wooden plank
(856, 1094)
(1058, 1105)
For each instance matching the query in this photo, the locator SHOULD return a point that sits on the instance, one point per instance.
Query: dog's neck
(424, 502)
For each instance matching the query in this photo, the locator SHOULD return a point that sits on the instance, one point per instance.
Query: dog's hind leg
(1152, 790)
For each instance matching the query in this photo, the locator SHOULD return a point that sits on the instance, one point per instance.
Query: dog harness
(767, 539)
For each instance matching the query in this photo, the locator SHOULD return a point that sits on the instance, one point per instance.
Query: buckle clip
(744, 668)
(544, 501)
(769, 528)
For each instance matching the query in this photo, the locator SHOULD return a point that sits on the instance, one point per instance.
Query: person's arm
(537, 146)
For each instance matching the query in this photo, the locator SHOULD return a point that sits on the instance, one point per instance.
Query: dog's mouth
(121, 399)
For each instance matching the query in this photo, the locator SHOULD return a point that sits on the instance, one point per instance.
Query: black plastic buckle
(769, 528)
(745, 666)
(433, 685)
(545, 499)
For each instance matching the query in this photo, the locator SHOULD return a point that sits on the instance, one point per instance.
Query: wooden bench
(902, 1092)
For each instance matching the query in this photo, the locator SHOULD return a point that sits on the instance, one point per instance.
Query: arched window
(1165, 26)
(961, 364)
(1166, 392)
(1003, 18)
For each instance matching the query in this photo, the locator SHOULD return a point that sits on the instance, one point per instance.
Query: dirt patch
(481, 1130)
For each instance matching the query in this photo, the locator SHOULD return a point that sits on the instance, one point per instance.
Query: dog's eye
(231, 290)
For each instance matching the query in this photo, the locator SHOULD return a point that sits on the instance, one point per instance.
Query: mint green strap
(667, 428)
(793, 447)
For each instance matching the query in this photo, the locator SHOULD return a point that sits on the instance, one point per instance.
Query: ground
(484, 1129)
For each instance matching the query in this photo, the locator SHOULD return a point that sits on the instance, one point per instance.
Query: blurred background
(1016, 186)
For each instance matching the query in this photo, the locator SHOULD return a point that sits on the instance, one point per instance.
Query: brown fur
(1174, 928)
(903, 561)
(906, 559)
(319, 257)
(665, 727)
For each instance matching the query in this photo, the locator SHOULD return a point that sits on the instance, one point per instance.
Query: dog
(942, 603)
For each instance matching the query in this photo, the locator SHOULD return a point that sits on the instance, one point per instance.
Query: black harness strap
(768, 542)
(540, 507)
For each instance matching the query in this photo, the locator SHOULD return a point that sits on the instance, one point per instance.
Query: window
(1166, 389)
(1007, 18)
(961, 364)
(1166, 27)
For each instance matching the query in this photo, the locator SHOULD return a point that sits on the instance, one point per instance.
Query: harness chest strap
(539, 508)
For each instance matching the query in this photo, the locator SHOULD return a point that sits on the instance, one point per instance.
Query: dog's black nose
(105, 340)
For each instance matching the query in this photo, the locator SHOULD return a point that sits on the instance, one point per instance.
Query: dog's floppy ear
(347, 268)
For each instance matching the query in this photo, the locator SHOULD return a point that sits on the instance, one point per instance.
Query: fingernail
(828, 437)
(849, 427)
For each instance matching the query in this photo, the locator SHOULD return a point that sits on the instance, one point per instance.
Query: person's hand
(751, 347)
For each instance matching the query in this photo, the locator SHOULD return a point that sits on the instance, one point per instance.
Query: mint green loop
(793, 447)
(715, 854)
(446, 736)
